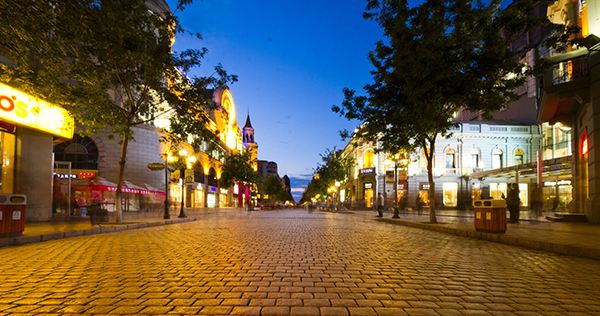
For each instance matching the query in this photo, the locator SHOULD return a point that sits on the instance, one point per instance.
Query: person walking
(513, 203)
(380, 205)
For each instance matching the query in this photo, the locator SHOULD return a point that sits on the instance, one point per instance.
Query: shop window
(519, 154)
(523, 194)
(7, 150)
(369, 159)
(450, 158)
(498, 190)
(81, 151)
(496, 158)
(450, 190)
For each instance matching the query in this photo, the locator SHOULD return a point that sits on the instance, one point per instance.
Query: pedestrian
(419, 204)
(513, 203)
(379, 205)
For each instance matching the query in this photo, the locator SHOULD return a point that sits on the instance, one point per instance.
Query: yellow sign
(23, 109)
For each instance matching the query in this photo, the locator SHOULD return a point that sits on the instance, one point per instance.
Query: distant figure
(419, 204)
(380, 203)
(513, 203)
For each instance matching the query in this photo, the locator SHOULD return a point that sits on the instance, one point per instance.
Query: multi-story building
(472, 148)
(571, 97)
(93, 165)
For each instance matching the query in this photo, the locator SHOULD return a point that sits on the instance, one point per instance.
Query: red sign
(584, 147)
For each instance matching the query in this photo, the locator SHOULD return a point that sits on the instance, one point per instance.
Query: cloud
(298, 190)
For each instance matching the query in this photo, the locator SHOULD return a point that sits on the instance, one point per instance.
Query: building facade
(472, 148)
(571, 97)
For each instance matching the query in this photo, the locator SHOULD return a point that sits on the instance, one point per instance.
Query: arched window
(450, 158)
(475, 158)
(369, 158)
(198, 173)
(519, 154)
(496, 158)
(81, 151)
(212, 177)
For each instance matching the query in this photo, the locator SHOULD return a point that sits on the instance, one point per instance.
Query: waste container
(97, 214)
(12, 214)
(490, 215)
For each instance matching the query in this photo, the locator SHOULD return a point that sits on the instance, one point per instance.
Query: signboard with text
(23, 109)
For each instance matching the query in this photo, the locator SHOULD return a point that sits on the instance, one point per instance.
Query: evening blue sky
(293, 58)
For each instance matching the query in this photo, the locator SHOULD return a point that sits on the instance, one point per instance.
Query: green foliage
(333, 167)
(438, 57)
(109, 63)
(237, 168)
(273, 186)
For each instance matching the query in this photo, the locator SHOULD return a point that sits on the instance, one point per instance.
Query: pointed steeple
(248, 123)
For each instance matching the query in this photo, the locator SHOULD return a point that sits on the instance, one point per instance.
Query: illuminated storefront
(28, 127)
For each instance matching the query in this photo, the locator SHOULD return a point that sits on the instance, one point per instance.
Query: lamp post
(168, 159)
(184, 159)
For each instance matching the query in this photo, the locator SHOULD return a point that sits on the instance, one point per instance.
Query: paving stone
(312, 263)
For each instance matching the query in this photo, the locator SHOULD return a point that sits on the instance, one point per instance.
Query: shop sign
(23, 109)
(555, 183)
(367, 171)
(155, 166)
(213, 189)
(224, 191)
(423, 186)
(368, 185)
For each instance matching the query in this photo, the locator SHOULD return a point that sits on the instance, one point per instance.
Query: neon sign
(23, 109)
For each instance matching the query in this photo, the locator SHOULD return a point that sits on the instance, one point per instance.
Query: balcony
(566, 85)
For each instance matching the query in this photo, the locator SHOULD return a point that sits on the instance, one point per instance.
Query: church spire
(248, 123)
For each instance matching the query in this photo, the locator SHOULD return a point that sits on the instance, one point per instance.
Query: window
(81, 151)
(450, 158)
(475, 160)
(523, 194)
(369, 158)
(496, 158)
(519, 156)
(497, 190)
(450, 194)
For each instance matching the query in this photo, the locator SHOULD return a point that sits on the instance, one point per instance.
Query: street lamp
(168, 159)
(184, 159)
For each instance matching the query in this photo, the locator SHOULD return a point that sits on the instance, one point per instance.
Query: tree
(110, 63)
(333, 168)
(437, 58)
(273, 187)
(237, 168)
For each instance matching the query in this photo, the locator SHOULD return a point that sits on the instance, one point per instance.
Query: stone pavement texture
(575, 239)
(291, 263)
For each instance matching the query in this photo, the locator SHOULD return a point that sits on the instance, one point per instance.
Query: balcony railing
(570, 70)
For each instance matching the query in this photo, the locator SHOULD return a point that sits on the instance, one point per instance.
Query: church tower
(249, 143)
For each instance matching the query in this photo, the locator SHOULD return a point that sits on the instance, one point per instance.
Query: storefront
(423, 195)
(367, 187)
(28, 127)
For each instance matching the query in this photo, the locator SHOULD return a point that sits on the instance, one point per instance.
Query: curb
(22, 240)
(569, 250)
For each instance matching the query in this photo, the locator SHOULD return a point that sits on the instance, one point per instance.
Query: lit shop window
(7, 152)
(450, 193)
(523, 194)
(497, 190)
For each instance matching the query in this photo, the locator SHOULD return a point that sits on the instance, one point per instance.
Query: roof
(248, 123)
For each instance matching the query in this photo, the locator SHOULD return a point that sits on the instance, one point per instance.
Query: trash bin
(97, 214)
(12, 214)
(490, 215)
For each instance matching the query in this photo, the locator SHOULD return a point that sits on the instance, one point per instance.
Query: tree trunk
(430, 157)
(119, 193)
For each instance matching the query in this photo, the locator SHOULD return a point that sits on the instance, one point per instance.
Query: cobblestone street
(291, 263)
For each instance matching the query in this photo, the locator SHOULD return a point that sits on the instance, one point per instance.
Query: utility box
(490, 215)
(12, 214)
